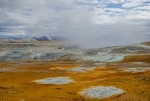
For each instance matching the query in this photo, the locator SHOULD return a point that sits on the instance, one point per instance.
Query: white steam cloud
(86, 23)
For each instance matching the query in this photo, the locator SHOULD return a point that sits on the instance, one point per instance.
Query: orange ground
(147, 43)
(18, 85)
(137, 58)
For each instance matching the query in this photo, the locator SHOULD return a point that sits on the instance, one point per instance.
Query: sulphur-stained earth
(51, 71)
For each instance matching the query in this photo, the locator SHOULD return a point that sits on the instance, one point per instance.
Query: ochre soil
(137, 58)
(17, 84)
(147, 43)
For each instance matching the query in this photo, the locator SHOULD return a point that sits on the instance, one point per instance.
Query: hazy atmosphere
(86, 23)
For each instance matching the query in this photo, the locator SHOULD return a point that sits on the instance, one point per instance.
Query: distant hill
(22, 37)
(42, 38)
(17, 37)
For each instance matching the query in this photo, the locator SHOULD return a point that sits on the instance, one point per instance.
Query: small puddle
(55, 80)
(100, 92)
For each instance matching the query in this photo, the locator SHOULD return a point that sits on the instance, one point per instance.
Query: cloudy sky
(87, 23)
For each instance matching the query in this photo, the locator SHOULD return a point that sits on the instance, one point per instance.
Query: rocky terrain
(57, 50)
(32, 70)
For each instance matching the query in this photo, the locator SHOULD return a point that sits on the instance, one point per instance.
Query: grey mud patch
(4, 70)
(81, 69)
(106, 57)
(55, 80)
(77, 69)
(136, 70)
(101, 92)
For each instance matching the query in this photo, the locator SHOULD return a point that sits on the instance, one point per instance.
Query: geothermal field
(33, 70)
